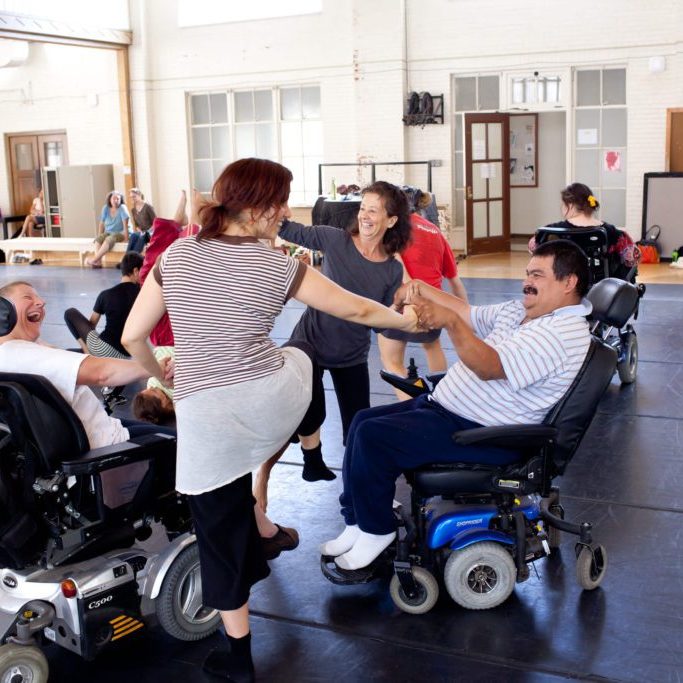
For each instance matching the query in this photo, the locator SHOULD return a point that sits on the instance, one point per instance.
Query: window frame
(276, 121)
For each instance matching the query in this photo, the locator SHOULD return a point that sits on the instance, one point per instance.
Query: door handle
(469, 192)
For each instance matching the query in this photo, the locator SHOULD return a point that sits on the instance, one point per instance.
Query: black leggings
(352, 387)
(83, 329)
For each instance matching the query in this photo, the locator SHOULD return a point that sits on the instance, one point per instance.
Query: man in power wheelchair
(95, 543)
(604, 261)
(481, 452)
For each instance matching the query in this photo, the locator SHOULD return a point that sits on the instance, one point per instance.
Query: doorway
(487, 190)
(28, 154)
(674, 140)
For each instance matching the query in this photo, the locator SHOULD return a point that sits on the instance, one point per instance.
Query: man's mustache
(529, 289)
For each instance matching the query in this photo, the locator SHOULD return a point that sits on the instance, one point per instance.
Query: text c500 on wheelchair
(479, 526)
(95, 545)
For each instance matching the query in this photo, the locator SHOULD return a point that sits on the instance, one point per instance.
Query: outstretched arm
(147, 310)
(321, 293)
(107, 372)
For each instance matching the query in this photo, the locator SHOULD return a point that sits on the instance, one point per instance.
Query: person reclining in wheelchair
(517, 360)
(21, 351)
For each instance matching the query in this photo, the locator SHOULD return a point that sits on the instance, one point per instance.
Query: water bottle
(333, 190)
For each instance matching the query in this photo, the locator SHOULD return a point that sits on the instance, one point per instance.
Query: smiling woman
(362, 261)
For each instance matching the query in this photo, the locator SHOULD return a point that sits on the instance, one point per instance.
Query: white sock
(342, 543)
(366, 549)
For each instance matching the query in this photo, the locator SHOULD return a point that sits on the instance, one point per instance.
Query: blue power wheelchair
(601, 264)
(95, 545)
(480, 526)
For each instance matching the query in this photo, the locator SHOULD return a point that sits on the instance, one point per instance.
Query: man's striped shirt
(541, 358)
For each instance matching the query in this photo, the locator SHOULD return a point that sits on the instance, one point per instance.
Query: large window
(282, 124)
(600, 136)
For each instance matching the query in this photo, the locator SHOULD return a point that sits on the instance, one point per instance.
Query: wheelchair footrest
(348, 577)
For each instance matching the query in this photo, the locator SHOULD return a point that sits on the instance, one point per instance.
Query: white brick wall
(61, 78)
(365, 61)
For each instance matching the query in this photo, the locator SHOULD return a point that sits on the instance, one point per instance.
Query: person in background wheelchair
(579, 206)
(517, 360)
(71, 373)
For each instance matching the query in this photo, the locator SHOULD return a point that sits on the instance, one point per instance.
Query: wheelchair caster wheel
(627, 367)
(22, 664)
(427, 592)
(480, 576)
(591, 565)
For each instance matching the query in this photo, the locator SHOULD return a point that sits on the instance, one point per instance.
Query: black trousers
(230, 552)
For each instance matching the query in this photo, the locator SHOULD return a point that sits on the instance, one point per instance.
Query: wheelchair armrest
(412, 386)
(100, 459)
(513, 437)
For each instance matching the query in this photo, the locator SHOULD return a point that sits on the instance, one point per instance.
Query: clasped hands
(428, 315)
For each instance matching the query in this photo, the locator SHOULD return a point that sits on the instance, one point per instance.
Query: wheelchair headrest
(8, 316)
(614, 301)
(587, 238)
(37, 414)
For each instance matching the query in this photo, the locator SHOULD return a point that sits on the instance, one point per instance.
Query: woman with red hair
(238, 397)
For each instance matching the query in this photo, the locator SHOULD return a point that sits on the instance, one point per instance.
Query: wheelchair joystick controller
(412, 370)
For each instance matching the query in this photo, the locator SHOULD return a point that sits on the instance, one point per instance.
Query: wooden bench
(28, 246)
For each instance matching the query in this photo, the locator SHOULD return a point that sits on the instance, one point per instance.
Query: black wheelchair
(480, 526)
(95, 545)
(602, 264)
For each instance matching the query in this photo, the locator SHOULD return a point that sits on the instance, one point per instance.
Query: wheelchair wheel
(480, 576)
(428, 592)
(22, 664)
(591, 565)
(627, 367)
(179, 604)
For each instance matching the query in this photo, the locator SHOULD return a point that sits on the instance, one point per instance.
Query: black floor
(626, 478)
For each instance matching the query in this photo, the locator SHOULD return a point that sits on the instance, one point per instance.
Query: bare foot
(180, 216)
(198, 201)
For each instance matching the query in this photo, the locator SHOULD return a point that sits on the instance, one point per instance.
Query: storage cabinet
(74, 197)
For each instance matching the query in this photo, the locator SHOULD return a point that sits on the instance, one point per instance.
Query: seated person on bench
(71, 373)
(517, 359)
(34, 223)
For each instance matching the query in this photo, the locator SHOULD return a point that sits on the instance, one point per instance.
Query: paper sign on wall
(587, 136)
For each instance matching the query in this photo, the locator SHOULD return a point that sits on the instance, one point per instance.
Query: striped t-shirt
(541, 358)
(222, 296)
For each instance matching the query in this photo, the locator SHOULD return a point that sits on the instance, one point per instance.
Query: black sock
(315, 468)
(232, 661)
